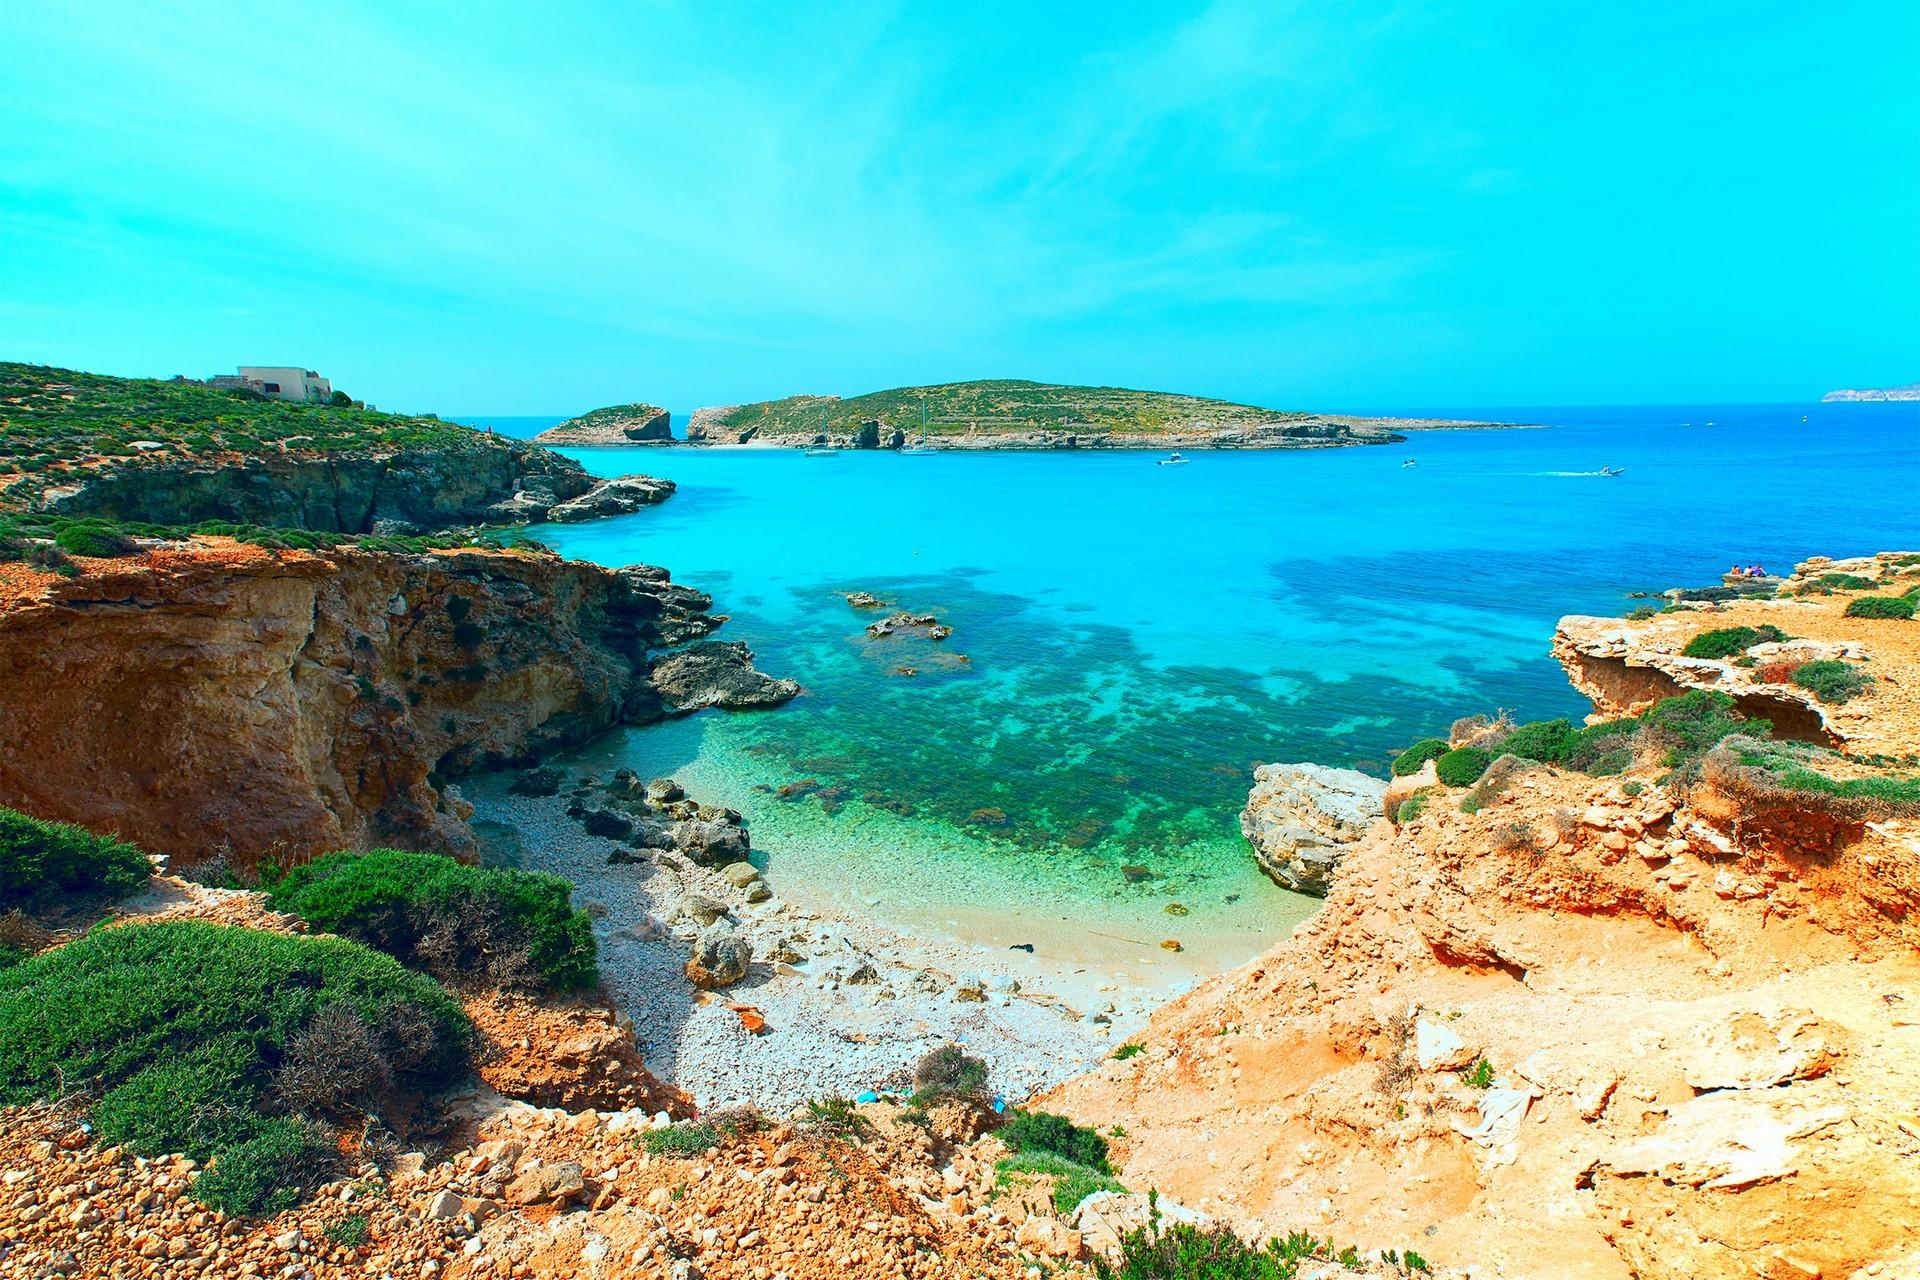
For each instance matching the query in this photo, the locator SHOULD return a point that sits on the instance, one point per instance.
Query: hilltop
(617, 424)
(1014, 414)
(88, 445)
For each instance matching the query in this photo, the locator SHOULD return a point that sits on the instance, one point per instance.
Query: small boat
(1173, 460)
(1611, 471)
(820, 452)
(1408, 463)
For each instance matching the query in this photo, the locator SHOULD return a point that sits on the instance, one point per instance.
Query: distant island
(1909, 392)
(617, 424)
(1011, 414)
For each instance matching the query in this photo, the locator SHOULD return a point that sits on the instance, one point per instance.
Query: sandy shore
(849, 1003)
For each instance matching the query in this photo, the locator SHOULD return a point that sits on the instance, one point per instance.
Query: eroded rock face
(384, 491)
(223, 698)
(1599, 1027)
(1301, 818)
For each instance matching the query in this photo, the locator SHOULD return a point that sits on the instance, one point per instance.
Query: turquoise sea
(1138, 637)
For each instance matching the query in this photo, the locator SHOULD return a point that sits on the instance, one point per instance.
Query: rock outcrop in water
(620, 424)
(211, 696)
(1653, 1024)
(1301, 818)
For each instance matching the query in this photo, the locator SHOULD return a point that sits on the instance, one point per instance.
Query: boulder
(741, 874)
(1301, 818)
(616, 497)
(547, 1184)
(716, 673)
(720, 957)
(536, 782)
(662, 791)
(711, 844)
(702, 910)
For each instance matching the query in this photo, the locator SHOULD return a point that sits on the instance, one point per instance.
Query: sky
(508, 208)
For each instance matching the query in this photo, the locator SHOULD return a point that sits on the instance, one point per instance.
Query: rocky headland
(619, 424)
(1909, 392)
(137, 450)
(1030, 415)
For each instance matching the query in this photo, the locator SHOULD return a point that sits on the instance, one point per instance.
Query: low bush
(1128, 1050)
(1831, 680)
(1723, 642)
(513, 928)
(680, 1140)
(97, 541)
(1799, 767)
(39, 860)
(182, 1030)
(1073, 1182)
(1410, 808)
(1044, 1131)
(1181, 1251)
(1463, 766)
(1695, 722)
(1881, 606)
(949, 1073)
(1410, 760)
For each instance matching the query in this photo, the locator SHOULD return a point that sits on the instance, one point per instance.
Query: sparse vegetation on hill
(50, 417)
(999, 406)
(57, 859)
(226, 1044)
(508, 927)
(1882, 606)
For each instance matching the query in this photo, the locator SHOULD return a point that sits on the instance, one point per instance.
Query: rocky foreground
(1659, 1023)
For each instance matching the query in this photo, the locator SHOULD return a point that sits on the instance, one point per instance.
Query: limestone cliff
(376, 490)
(1651, 1025)
(211, 696)
(1301, 818)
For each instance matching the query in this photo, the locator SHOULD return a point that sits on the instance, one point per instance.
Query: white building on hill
(303, 386)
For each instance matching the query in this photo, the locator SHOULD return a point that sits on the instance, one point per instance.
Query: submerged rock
(1301, 818)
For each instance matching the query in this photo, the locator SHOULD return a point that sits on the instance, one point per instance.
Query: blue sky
(517, 208)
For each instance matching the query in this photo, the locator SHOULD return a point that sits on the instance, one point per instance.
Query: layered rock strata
(1301, 819)
(214, 697)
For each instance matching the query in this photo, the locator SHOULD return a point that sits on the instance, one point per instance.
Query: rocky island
(1909, 392)
(619, 424)
(1011, 414)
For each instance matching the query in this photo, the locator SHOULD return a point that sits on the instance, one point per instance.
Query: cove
(1137, 638)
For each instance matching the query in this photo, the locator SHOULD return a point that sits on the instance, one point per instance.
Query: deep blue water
(1138, 637)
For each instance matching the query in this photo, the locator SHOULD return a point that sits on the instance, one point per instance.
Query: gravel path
(849, 1004)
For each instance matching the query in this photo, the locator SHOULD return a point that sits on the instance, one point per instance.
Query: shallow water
(1138, 637)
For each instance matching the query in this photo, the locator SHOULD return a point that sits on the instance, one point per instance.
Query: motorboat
(1611, 471)
(1173, 460)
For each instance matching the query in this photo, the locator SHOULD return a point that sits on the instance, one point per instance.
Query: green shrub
(96, 541)
(194, 1038)
(517, 928)
(1127, 1050)
(1044, 1131)
(1832, 681)
(266, 1173)
(1073, 1183)
(1463, 766)
(1410, 760)
(40, 859)
(680, 1140)
(351, 1231)
(1541, 740)
(948, 1072)
(1881, 606)
(1696, 721)
(1181, 1251)
(1411, 807)
(1723, 642)
(1480, 1075)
